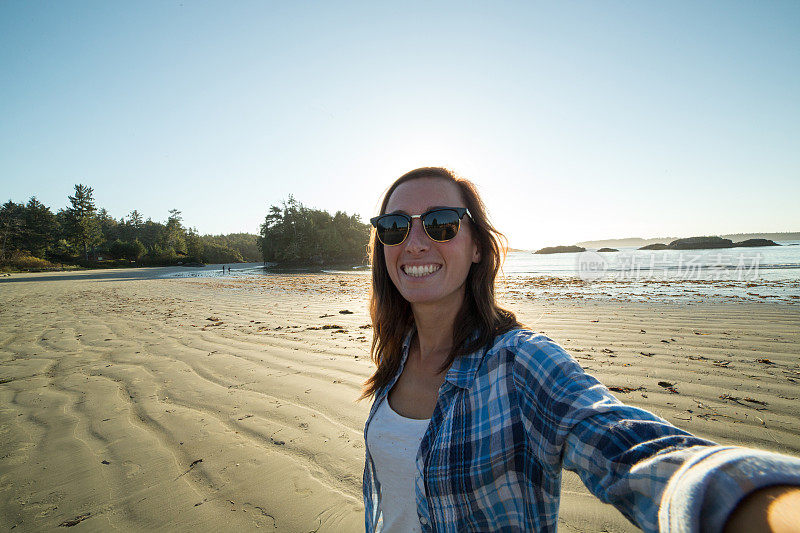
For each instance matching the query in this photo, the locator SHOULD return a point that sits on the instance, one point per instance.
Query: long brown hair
(391, 313)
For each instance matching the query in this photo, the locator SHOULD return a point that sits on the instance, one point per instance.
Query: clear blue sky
(577, 120)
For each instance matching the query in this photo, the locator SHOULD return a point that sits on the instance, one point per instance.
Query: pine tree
(84, 229)
(41, 228)
(175, 234)
(12, 224)
(135, 220)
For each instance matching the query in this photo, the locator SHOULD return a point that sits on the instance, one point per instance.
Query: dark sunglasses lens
(441, 225)
(392, 229)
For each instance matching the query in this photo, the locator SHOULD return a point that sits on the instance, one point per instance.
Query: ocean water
(769, 273)
(753, 264)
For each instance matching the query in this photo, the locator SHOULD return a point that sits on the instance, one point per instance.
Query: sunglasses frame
(460, 211)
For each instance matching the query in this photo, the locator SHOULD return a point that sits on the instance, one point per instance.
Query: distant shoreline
(638, 242)
(628, 242)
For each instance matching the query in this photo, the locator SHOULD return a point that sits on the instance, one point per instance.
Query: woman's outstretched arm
(659, 476)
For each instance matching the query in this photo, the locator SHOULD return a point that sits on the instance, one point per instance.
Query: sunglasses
(441, 224)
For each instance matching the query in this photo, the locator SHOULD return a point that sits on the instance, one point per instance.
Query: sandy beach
(130, 402)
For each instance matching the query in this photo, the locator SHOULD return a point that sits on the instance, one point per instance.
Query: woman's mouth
(419, 271)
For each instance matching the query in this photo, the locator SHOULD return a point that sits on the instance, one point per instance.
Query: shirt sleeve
(660, 477)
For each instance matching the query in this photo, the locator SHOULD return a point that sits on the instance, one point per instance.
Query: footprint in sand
(131, 469)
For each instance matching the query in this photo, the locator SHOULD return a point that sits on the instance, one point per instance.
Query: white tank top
(393, 442)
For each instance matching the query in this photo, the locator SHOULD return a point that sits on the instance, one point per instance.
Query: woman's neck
(435, 331)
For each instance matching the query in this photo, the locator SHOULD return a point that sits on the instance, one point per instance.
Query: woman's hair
(391, 313)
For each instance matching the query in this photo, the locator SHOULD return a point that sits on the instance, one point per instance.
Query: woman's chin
(420, 298)
(431, 296)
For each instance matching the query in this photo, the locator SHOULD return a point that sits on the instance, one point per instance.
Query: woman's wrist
(775, 509)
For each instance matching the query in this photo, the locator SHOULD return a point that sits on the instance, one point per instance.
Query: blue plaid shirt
(510, 416)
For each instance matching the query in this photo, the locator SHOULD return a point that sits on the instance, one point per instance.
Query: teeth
(419, 271)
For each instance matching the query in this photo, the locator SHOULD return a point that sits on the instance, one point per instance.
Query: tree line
(32, 234)
(295, 235)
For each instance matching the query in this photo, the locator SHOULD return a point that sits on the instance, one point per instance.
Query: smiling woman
(424, 271)
(465, 287)
(474, 416)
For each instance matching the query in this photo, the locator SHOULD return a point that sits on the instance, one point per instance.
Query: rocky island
(560, 250)
(700, 243)
(755, 242)
(707, 243)
(690, 243)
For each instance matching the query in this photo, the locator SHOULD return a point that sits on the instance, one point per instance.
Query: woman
(474, 417)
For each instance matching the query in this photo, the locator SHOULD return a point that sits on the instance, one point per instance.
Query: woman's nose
(418, 240)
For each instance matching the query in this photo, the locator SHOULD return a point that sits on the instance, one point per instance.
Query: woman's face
(446, 263)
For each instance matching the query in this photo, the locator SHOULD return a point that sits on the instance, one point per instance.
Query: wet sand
(129, 402)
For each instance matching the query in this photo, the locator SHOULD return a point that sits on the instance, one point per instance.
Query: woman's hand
(775, 509)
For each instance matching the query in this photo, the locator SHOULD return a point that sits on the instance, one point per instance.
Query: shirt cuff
(705, 490)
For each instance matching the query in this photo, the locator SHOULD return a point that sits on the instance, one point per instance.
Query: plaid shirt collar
(461, 373)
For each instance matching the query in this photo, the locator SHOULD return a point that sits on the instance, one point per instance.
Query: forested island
(294, 235)
(33, 237)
